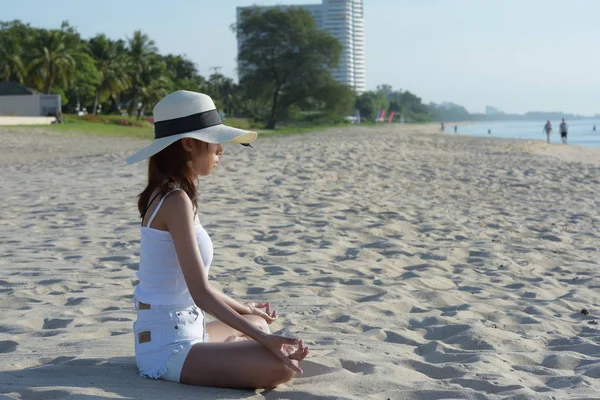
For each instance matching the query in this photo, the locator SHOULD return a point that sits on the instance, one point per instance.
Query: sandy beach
(417, 265)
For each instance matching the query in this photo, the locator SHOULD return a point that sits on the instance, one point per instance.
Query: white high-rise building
(344, 20)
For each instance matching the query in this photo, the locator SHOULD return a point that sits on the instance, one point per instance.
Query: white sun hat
(185, 114)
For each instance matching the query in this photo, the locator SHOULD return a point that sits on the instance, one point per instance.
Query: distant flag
(391, 117)
(377, 115)
(382, 116)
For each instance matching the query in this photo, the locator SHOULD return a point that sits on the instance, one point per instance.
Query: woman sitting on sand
(171, 336)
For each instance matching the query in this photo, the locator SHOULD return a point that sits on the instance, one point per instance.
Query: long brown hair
(169, 169)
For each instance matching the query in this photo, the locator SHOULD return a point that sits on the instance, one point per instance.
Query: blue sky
(517, 55)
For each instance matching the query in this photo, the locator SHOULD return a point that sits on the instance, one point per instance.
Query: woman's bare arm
(240, 308)
(179, 219)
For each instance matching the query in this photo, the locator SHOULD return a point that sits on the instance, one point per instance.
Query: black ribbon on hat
(190, 123)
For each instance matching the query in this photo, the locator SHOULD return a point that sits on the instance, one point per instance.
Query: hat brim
(214, 134)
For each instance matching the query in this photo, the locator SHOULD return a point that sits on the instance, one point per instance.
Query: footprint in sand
(470, 289)
(432, 256)
(56, 323)
(515, 286)
(358, 367)
(132, 266)
(484, 385)
(285, 243)
(312, 368)
(265, 238)
(394, 337)
(351, 254)
(75, 301)
(8, 346)
(373, 297)
(275, 270)
(480, 254)
(49, 282)
(409, 275)
(444, 332)
(436, 372)
(114, 258)
(255, 290)
(342, 318)
(551, 238)
(281, 253)
(393, 253)
(261, 260)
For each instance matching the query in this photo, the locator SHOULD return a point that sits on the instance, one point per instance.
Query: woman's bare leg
(240, 365)
(220, 332)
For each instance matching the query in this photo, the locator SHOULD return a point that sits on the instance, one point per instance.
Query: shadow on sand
(98, 378)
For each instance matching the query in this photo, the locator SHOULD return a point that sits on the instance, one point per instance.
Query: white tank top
(161, 279)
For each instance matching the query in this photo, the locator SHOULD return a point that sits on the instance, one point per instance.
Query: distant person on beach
(594, 128)
(548, 129)
(455, 128)
(564, 131)
(442, 127)
(489, 131)
(173, 342)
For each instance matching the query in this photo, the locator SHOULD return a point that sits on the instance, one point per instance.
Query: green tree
(153, 82)
(338, 101)
(224, 91)
(141, 50)
(11, 64)
(284, 59)
(184, 73)
(413, 103)
(112, 66)
(15, 38)
(386, 89)
(82, 87)
(405, 103)
(370, 102)
(56, 56)
(449, 112)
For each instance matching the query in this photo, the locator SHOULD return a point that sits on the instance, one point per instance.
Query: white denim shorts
(164, 335)
(175, 365)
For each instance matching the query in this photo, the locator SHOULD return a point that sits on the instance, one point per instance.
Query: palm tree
(153, 82)
(180, 68)
(56, 56)
(184, 73)
(140, 47)
(11, 64)
(224, 91)
(112, 66)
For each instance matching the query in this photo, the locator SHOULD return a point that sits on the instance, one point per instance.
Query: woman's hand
(257, 309)
(288, 350)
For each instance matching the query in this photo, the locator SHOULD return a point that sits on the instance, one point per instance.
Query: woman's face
(203, 156)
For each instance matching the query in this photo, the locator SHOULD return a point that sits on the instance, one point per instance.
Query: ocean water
(580, 131)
